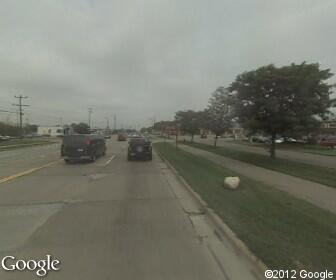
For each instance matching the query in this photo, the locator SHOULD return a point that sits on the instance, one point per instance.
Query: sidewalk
(308, 158)
(317, 194)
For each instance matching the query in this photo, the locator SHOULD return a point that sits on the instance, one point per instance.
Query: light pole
(90, 112)
(107, 123)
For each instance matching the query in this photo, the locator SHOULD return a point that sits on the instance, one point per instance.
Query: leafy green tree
(81, 128)
(278, 100)
(30, 128)
(9, 130)
(189, 122)
(219, 112)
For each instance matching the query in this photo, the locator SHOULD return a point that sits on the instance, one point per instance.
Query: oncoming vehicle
(139, 147)
(82, 146)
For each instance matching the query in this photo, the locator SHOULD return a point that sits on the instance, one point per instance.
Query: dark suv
(82, 146)
(139, 147)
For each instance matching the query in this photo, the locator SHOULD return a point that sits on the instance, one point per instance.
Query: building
(328, 127)
(57, 131)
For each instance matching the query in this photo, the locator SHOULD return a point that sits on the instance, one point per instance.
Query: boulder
(231, 182)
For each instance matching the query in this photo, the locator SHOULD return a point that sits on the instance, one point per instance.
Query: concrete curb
(220, 225)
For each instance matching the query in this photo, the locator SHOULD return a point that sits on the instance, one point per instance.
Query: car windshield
(75, 140)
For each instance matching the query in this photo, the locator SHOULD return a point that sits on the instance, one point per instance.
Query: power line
(20, 105)
(5, 111)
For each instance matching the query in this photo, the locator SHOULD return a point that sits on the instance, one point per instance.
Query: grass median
(24, 143)
(297, 147)
(318, 174)
(285, 232)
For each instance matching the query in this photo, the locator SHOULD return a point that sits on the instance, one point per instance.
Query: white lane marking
(110, 159)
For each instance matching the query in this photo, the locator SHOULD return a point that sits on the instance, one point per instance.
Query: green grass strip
(284, 232)
(318, 174)
(23, 145)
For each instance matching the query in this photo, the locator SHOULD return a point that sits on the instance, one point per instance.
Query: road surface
(111, 219)
(320, 160)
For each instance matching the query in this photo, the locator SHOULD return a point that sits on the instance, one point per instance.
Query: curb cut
(219, 223)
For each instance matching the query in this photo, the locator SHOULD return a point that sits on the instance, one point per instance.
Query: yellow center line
(12, 177)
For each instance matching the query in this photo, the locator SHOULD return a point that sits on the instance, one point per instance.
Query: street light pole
(107, 123)
(90, 112)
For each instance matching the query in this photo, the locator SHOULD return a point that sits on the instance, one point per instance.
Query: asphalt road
(320, 160)
(111, 219)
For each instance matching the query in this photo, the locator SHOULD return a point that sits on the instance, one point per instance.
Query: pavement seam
(78, 201)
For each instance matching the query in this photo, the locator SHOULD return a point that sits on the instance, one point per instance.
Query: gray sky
(145, 58)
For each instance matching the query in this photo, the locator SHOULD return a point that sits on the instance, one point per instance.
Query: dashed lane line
(110, 159)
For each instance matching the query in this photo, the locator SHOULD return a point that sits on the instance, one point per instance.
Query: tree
(188, 121)
(81, 128)
(219, 112)
(9, 130)
(30, 128)
(279, 100)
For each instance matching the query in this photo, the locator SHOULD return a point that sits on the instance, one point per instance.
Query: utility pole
(115, 122)
(20, 105)
(90, 112)
(107, 122)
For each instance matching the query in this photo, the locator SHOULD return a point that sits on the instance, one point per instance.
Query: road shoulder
(231, 254)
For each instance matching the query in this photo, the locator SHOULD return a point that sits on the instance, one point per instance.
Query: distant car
(4, 138)
(106, 136)
(329, 141)
(134, 135)
(122, 137)
(279, 140)
(82, 146)
(204, 135)
(259, 139)
(291, 140)
(29, 136)
(139, 147)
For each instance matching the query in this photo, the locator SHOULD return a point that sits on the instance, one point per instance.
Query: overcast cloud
(144, 58)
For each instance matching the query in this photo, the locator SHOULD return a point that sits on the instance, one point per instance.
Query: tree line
(269, 100)
(15, 131)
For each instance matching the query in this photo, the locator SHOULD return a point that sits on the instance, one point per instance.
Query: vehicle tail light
(87, 142)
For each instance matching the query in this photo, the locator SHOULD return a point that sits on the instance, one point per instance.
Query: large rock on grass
(231, 182)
